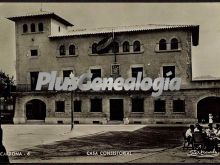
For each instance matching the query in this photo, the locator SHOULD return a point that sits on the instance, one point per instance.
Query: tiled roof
(134, 28)
(42, 14)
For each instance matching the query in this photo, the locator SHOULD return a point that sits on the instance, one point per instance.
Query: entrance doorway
(35, 110)
(116, 109)
(34, 77)
(206, 106)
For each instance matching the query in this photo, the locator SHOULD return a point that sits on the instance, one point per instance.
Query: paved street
(55, 143)
(17, 137)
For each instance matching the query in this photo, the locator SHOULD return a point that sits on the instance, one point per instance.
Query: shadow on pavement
(144, 138)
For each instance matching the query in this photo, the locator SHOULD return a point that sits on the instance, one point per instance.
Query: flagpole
(113, 37)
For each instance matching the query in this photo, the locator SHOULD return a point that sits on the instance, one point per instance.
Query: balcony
(29, 88)
(21, 88)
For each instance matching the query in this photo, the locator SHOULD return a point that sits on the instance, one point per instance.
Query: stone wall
(191, 97)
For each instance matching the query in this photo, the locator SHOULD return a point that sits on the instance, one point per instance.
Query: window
(94, 50)
(169, 71)
(33, 27)
(174, 43)
(126, 46)
(34, 52)
(62, 50)
(40, 27)
(72, 50)
(137, 105)
(96, 105)
(137, 46)
(134, 71)
(77, 105)
(60, 106)
(178, 106)
(25, 28)
(66, 73)
(162, 44)
(58, 28)
(115, 47)
(159, 106)
(95, 73)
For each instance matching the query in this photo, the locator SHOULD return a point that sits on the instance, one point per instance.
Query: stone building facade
(46, 42)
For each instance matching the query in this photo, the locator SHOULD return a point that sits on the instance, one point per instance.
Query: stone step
(35, 122)
(115, 122)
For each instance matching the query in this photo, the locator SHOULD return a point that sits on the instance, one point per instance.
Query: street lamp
(72, 122)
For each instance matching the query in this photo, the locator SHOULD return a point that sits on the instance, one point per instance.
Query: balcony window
(95, 73)
(169, 71)
(135, 71)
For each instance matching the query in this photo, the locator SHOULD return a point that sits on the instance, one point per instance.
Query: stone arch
(35, 109)
(206, 105)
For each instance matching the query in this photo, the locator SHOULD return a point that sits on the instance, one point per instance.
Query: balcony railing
(29, 88)
(192, 85)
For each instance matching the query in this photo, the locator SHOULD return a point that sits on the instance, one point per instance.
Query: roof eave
(52, 15)
(194, 29)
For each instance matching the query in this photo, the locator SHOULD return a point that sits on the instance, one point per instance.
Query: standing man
(189, 133)
(210, 119)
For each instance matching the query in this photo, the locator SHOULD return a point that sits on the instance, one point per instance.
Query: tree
(6, 85)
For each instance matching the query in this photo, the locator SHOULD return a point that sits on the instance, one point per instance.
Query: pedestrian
(189, 133)
(198, 128)
(217, 130)
(210, 131)
(210, 119)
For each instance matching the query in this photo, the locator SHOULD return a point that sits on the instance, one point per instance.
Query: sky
(205, 57)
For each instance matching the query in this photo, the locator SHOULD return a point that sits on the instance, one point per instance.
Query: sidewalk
(17, 137)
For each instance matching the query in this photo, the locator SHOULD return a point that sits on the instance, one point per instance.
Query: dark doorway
(35, 110)
(34, 77)
(206, 106)
(116, 109)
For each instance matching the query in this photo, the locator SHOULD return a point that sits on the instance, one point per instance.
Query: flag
(104, 45)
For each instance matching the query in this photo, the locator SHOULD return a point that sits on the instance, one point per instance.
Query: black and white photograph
(109, 82)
